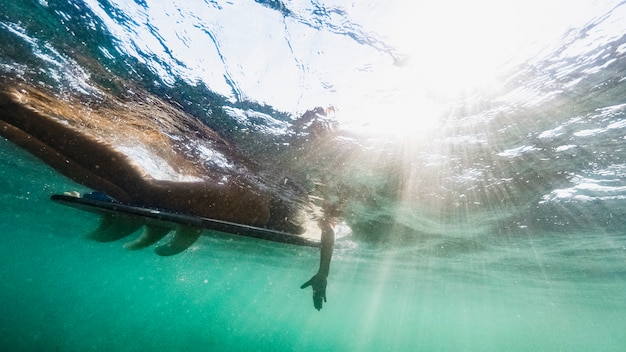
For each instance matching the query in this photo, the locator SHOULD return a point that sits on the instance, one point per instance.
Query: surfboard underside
(119, 220)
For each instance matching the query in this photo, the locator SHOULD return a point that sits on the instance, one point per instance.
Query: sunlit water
(509, 233)
(62, 292)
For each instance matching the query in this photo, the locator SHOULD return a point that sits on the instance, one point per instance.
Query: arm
(318, 281)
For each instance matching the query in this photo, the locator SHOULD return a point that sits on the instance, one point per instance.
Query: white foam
(214, 157)
(511, 153)
(155, 166)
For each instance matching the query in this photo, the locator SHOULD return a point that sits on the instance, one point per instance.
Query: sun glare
(452, 50)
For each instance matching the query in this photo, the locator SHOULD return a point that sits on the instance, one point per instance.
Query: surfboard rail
(109, 206)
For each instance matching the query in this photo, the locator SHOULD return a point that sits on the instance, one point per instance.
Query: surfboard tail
(183, 239)
(113, 228)
(150, 235)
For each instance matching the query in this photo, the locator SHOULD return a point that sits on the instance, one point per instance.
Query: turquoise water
(493, 219)
(62, 292)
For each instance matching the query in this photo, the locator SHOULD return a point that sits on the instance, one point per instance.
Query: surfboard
(120, 220)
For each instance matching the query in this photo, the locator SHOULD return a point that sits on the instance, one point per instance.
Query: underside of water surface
(474, 209)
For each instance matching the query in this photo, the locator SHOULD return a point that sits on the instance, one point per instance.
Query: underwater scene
(463, 163)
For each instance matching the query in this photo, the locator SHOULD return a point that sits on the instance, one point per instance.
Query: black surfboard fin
(106, 221)
(113, 228)
(150, 235)
(183, 239)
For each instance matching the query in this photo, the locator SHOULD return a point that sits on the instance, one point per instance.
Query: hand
(318, 282)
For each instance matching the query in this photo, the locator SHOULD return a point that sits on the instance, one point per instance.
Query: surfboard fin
(150, 235)
(183, 239)
(113, 228)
